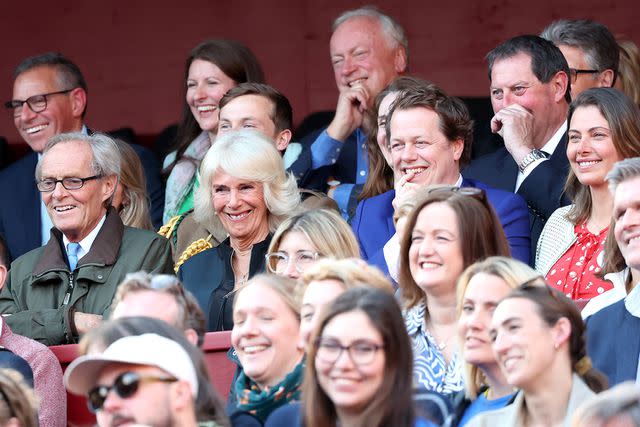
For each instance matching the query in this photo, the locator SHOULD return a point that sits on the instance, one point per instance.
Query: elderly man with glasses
(49, 98)
(57, 292)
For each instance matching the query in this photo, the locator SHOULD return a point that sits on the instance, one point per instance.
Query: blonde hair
(282, 285)
(513, 273)
(247, 155)
(330, 235)
(134, 211)
(351, 272)
(17, 400)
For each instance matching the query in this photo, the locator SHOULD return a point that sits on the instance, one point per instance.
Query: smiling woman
(604, 127)
(266, 322)
(245, 193)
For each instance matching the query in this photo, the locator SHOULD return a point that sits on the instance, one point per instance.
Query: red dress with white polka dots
(574, 274)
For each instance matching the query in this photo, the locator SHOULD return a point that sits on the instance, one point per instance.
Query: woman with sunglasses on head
(359, 366)
(604, 127)
(212, 68)
(303, 238)
(449, 229)
(539, 343)
(480, 288)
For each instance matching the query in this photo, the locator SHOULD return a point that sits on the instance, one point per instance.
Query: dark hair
(208, 404)
(553, 305)
(455, 121)
(592, 38)
(281, 113)
(69, 74)
(235, 60)
(623, 117)
(5, 258)
(546, 59)
(392, 405)
(380, 177)
(479, 228)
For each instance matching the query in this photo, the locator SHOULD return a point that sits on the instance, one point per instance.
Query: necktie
(72, 254)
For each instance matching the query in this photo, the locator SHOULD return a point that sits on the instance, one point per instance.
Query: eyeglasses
(278, 262)
(125, 386)
(361, 352)
(47, 185)
(37, 103)
(573, 72)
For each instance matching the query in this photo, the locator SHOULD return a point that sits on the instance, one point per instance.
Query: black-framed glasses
(278, 262)
(37, 103)
(361, 352)
(125, 385)
(48, 184)
(574, 72)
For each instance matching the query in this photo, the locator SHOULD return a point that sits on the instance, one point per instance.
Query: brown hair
(553, 305)
(479, 228)
(281, 112)
(380, 177)
(453, 114)
(629, 70)
(393, 403)
(623, 117)
(235, 60)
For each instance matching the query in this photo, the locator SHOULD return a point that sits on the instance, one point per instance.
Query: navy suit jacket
(373, 223)
(613, 342)
(20, 205)
(542, 189)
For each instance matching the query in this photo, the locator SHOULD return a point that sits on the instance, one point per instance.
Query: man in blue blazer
(49, 98)
(429, 136)
(613, 333)
(530, 94)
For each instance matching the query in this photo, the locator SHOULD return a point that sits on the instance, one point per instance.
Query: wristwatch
(530, 158)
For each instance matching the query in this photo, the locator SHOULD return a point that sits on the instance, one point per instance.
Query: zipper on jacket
(67, 296)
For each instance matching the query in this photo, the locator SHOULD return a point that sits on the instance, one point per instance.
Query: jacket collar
(104, 250)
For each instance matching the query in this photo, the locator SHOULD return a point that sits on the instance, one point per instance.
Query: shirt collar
(87, 242)
(551, 145)
(632, 301)
(459, 181)
(414, 318)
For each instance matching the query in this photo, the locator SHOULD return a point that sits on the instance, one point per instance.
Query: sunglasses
(125, 386)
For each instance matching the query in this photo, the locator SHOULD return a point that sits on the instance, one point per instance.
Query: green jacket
(41, 294)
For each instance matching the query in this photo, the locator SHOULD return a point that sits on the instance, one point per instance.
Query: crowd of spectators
(370, 274)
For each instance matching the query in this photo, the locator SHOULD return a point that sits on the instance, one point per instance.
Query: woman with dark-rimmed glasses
(449, 229)
(359, 369)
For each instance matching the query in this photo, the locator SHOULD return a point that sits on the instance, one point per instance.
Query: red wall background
(132, 52)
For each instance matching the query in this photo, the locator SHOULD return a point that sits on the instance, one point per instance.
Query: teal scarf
(262, 402)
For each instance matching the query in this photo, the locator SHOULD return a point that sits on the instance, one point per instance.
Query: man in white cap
(145, 380)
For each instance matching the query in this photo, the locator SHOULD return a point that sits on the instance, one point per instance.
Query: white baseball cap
(146, 349)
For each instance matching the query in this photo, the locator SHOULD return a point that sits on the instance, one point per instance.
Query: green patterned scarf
(262, 402)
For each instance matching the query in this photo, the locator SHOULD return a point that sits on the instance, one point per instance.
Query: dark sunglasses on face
(125, 386)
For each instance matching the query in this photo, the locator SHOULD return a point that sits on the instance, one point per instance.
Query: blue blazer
(613, 342)
(373, 223)
(20, 200)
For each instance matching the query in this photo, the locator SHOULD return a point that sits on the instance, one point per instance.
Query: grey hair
(105, 155)
(249, 155)
(390, 27)
(594, 39)
(622, 171)
(619, 402)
